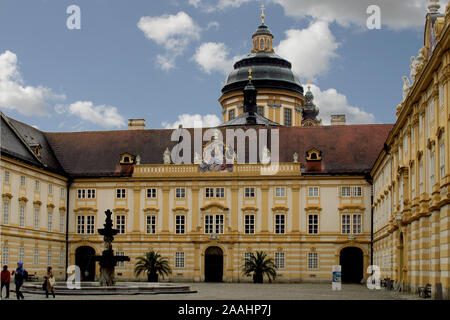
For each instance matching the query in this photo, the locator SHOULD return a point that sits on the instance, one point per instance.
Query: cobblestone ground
(250, 291)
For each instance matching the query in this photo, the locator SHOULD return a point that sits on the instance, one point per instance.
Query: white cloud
(104, 116)
(213, 56)
(14, 95)
(309, 50)
(332, 102)
(193, 121)
(215, 5)
(173, 32)
(213, 24)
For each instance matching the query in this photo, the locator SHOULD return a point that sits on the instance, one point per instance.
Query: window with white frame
(90, 224)
(121, 193)
(50, 189)
(91, 193)
(405, 145)
(431, 108)
(49, 221)
(62, 192)
(231, 115)
(220, 192)
(209, 192)
(49, 257)
(7, 176)
(5, 254)
(120, 223)
(441, 95)
(37, 185)
(62, 224)
(209, 223)
(413, 183)
(180, 224)
(400, 193)
(247, 256)
(151, 224)
(81, 193)
(346, 192)
(61, 257)
(5, 212)
(280, 260)
(36, 218)
(214, 223)
(36, 256)
(432, 170)
(219, 223)
(442, 160)
(313, 192)
(249, 192)
(351, 223)
(313, 224)
(420, 124)
(346, 223)
(180, 193)
(151, 193)
(21, 216)
(280, 192)
(80, 224)
(280, 223)
(420, 177)
(22, 181)
(357, 223)
(413, 137)
(120, 264)
(287, 117)
(313, 260)
(249, 224)
(21, 254)
(179, 259)
(357, 191)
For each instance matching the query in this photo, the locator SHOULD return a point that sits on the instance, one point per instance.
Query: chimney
(136, 124)
(338, 119)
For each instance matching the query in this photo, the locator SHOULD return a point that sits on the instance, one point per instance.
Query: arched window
(261, 44)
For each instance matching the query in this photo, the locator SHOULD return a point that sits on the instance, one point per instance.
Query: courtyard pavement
(250, 291)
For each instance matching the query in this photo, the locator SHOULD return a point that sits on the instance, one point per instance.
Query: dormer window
(313, 155)
(126, 158)
(36, 149)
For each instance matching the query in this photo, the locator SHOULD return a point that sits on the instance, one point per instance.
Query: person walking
(5, 279)
(20, 275)
(50, 282)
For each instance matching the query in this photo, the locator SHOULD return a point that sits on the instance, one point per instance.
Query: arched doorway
(213, 264)
(84, 258)
(352, 264)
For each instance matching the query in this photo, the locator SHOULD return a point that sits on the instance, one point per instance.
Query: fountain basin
(120, 288)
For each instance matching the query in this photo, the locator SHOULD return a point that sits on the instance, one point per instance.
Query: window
(249, 222)
(21, 254)
(120, 223)
(279, 260)
(431, 107)
(280, 192)
(63, 193)
(7, 174)
(351, 224)
(441, 95)
(313, 260)
(345, 192)
(351, 191)
(90, 224)
(80, 224)
(120, 264)
(313, 224)
(180, 193)
(22, 181)
(420, 124)
(22, 216)
(36, 256)
(49, 257)
(151, 224)
(432, 173)
(36, 218)
(231, 115)
(287, 117)
(260, 111)
(250, 192)
(179, 224)
(5, 253)
(61, 222)
(247, 256)
(209, 222)
(5, 212)
(50, 189)
(442, 160)
(261, 44)
(413, 183)
(81, 193)
(356, 191)
(179, 259)
(37, 185)
(313, 191)
(420, 177)
(61, 257)
(220, 192)
(209, 192)
(413, 138)
(280, 223)
(91, 193)
(121, 193)
(49, 222)
(219, 223)
(151, 193)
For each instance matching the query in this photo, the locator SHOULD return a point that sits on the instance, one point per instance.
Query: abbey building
(316, 210)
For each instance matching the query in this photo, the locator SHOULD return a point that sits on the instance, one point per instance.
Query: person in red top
(6, 278)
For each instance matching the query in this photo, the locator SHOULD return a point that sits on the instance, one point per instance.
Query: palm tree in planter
(259, 265)
(153, 264)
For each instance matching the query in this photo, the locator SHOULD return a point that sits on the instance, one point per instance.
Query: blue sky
(110, 70)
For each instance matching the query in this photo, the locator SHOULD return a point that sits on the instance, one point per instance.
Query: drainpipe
(69, 183)
(370, 181)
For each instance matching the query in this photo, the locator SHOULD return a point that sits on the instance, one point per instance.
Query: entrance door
(351, 261)
(213, 264)
(84, 258)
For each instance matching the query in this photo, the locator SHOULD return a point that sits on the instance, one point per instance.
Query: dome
(270, 71)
